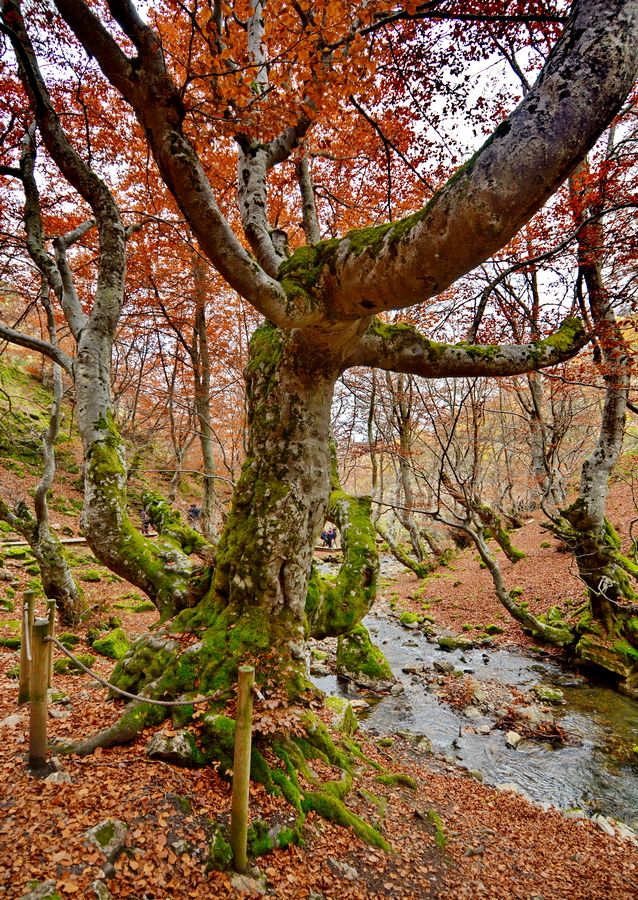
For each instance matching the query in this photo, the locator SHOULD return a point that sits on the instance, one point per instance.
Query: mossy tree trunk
(610, 633)
(279, 505)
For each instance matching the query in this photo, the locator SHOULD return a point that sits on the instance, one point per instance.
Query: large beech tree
(324, 303)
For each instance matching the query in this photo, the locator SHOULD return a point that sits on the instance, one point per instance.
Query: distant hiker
(324, 538)
(194, 512)
(332, 536)
(145, 519)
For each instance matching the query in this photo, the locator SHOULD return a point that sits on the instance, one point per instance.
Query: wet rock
(513, 739)
(443, 666)
(319, 669)
(534, 714)
(397, 688)
(109, 836)
(180, 847)
(484, 729)
(413, 669)
(627, 833)
(575, 814)
(108, 869)
(548, 694)
(479, 695)
(101, 891)
(472, 713)
(247, 885)
(509, 786)
(12, 720)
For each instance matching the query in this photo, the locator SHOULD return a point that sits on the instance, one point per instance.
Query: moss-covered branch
(402, 348)
(170, 525)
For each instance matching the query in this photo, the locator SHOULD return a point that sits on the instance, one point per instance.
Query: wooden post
(241, 768)
(51, 613)
(25, 648)
(39, 685)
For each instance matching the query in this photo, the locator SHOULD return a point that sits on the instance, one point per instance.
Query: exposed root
(135, 718)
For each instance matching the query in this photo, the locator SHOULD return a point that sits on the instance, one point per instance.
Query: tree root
(131, 723)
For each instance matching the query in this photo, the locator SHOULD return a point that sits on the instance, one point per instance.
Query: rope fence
(127, 694)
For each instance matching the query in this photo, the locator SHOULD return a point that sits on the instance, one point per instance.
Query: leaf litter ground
(452, 837)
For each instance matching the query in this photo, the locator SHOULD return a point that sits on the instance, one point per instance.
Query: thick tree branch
(400, 348)
(583, 84)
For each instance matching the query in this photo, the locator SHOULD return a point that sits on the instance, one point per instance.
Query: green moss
(11, 643)
(113, 645)
(626, 650)
(410, 618)
(18, 553)
(91, 575)
(448, 643)
(440, 837)
(69, 640)
(360, 659)
(494, 629)
(335, 810)
(144, 606)
(67, 666)
(104, 835)
(397, 778)
(220, 853)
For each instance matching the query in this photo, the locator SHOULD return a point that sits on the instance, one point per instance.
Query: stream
(596, 772)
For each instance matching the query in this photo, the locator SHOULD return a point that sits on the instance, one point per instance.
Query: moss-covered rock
(548, 694)
(448, 643)
(67, 666)
(220, 853)
(69, 639)
(179, 748)
(113, 645)
(361, 661)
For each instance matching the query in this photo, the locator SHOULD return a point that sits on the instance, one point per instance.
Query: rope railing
(127, 694)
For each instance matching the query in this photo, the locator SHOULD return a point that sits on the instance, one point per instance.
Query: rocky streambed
(517, 720)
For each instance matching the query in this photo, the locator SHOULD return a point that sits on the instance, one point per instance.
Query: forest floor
(452, 837)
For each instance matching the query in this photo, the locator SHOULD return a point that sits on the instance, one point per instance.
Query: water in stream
(597, 771)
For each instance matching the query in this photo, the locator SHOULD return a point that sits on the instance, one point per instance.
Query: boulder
(513, 739)
(179, 748)
(109, 836)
